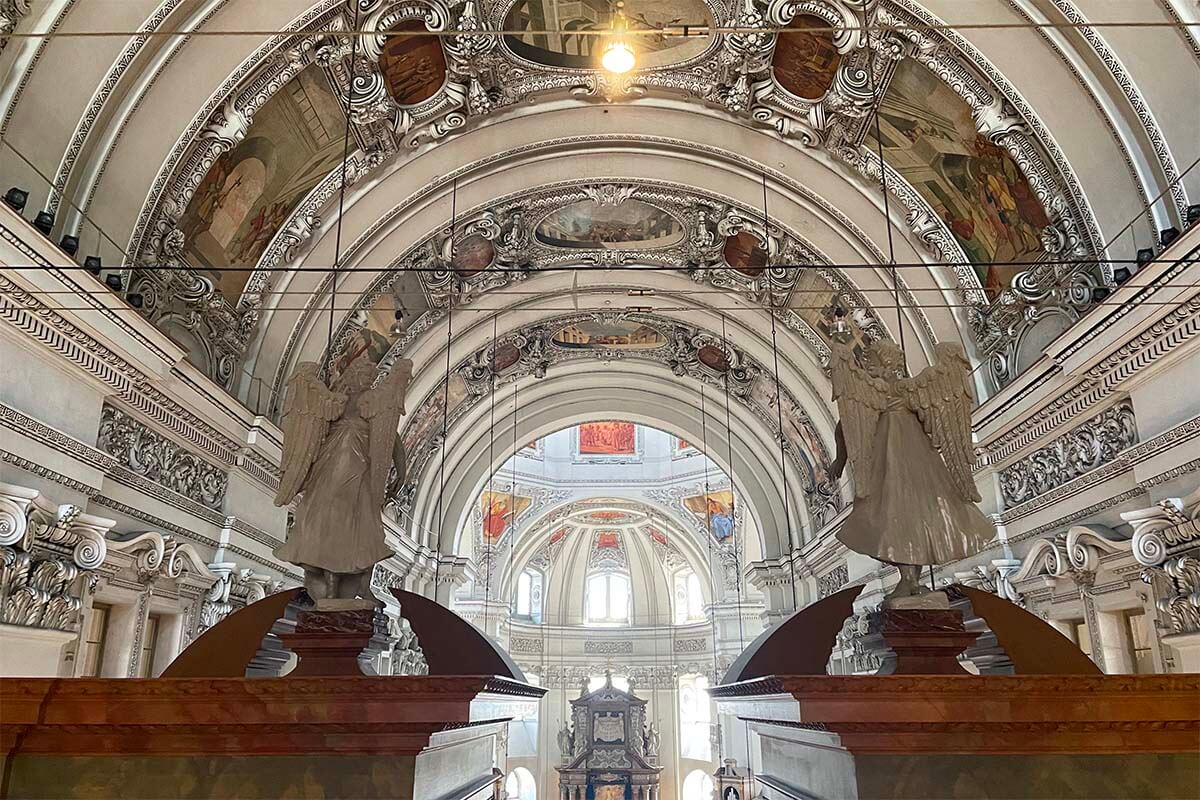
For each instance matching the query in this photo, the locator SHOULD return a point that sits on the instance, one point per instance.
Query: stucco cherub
(909, 443)
(338, 446)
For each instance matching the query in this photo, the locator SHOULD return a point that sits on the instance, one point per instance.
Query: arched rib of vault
(381, 219)
(633, 391)
(746, 328)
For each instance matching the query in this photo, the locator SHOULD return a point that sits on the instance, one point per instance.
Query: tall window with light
(529, 595)
(695, 718)
(689, 602)
(607, 598)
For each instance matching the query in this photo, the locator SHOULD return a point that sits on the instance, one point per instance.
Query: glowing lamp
(617, 58)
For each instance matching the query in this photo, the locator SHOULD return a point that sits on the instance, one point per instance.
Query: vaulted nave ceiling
(483, 170)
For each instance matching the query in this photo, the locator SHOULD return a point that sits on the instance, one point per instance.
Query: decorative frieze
(159, 459)
(525, 645)
(833, 580)
(608, 647)
(690, 645)
(1084, 448)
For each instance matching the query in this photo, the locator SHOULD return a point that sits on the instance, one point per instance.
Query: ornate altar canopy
(608, 753)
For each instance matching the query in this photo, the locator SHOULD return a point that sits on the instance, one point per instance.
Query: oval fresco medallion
(713, 357)
(413, 63)
(609, 517)
(619, 335)
(806, 61)
(472, 255)
(745, 253)
(571, 48)
(505, 356)
(630, 225)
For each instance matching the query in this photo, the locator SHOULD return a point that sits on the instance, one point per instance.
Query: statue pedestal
(331, 642)
(918, 641)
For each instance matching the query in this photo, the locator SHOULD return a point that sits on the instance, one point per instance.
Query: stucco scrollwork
(11, 12)
(44, 549)
(1166, 539)
(159, 459)
(234, 588)
(1084, 448)
(833, 580)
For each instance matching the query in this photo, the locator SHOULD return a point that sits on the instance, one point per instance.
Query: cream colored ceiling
(112, 120)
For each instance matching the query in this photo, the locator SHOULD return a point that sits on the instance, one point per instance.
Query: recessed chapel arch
(746, 451)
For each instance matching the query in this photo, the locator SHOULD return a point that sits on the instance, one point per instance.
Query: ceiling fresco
(607, 439)
(930, 137)
(806, 61)
(588, 224)
(250, 186)
(599, 334)
(247, 195)
(573, 51)
(413, 66)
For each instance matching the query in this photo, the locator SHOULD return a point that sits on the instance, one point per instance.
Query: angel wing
(383, 406)
(941, 397)
(309, 409)
(860, 402)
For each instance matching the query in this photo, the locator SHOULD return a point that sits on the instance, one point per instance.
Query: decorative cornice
(1176, 327)
(41, 324)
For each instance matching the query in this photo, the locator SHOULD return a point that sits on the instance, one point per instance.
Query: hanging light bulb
(840, 330)
(618, 56)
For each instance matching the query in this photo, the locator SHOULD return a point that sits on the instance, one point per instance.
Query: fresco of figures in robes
(607, 439)
(975, 186)
(716, 510)
(295, 140)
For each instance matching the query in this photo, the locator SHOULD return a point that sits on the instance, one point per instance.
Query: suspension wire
(512, 541)
(737, 557)
(887, 215)
(712, 580)
(787, 508)
(487, 588)
(588, 267)
(512, 486)
(732, 494)
(337, 245)
(676, 30)
(437, 552)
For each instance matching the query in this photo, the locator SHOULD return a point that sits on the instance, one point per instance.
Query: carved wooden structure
(609, 754)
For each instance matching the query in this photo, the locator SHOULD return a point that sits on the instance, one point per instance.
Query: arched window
(695, 718)
(607, 599)
(697, 786)
(689, 602)
(519, 785)
(529, 595)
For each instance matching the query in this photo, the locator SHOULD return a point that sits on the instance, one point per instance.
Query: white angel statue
(338, 446)
(909, 443)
